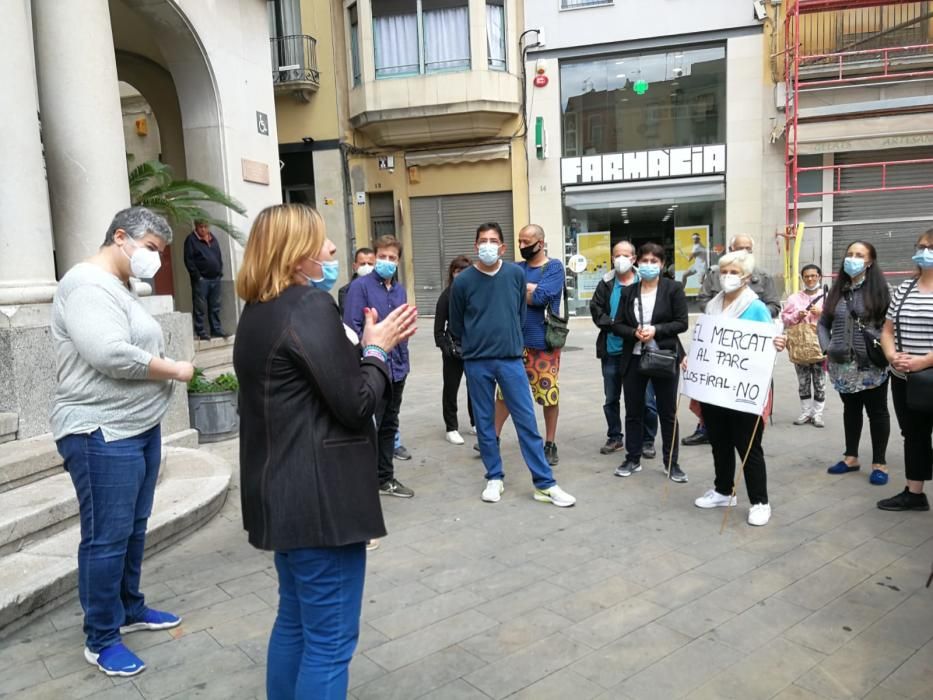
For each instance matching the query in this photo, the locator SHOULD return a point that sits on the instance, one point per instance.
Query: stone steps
(9, 424)
(212, 354)
(39, 531)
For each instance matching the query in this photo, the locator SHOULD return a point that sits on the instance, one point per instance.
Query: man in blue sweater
(487, 309)
(544, 287)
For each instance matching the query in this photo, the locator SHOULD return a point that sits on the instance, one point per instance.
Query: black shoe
(550, 453)
(678, 475)
(220, 334)
(648, 452)
(203, 337)
(698, 438)
(394, 487)
(905, 500)
(401, 453)
(627, 468)
(612, 445)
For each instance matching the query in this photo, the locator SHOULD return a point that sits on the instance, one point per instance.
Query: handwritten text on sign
(729, 363)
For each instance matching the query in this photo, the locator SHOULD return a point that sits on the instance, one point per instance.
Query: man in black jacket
(206, 268)
(363, 263)
(603, 308)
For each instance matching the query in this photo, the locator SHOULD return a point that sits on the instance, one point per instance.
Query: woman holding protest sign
(907, 339)
(651, 314)
(730, 430)
(849, 332)
(801, 313)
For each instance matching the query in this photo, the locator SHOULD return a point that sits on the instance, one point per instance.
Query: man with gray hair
(761, 283)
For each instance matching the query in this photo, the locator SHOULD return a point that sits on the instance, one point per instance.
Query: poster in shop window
(691, 257)
(595, 247)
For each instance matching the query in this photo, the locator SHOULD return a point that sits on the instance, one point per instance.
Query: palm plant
(153, 185)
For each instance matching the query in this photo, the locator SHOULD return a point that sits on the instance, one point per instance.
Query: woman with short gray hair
(114, 385)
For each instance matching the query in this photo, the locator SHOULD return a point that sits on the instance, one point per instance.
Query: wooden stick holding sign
(730, 364)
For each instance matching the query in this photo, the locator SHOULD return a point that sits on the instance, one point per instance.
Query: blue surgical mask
(386, 269)
(488, 253)
(649, 271)
(923, 258)
(853, 266)
(331, 270)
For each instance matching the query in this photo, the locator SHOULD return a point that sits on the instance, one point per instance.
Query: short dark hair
(811, 266)
(136, 222)
(651, 249)
(461, 262)
(388, 241)
(490, 226)
(362, 251)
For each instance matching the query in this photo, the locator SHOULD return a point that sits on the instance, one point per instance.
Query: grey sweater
(839, 335)
(104, 341)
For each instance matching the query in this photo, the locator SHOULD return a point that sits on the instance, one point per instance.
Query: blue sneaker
(151, 620)
(115, 660)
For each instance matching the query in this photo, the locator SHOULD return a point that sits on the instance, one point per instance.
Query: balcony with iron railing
(294, 65)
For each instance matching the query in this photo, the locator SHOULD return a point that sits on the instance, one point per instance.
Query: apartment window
(355, 45)
(495, 33)
(574, 4)
(420, 36)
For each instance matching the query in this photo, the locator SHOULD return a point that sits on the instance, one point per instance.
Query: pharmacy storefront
(643, 158)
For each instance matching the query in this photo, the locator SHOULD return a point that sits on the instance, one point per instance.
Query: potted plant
(212, 406)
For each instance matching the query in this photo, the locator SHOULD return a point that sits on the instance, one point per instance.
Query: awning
(646, 192)
(467, 154)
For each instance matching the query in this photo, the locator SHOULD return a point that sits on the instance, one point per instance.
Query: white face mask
(364, 270)
(812, 287)
(488, 253)
(144, 263)
(622, 264)
(731, 283)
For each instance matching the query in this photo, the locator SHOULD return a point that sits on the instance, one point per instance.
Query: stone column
(82, 124)
(27, 268)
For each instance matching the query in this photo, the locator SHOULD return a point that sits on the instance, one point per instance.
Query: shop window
(420, 36)
(643, 101)
(495, 34)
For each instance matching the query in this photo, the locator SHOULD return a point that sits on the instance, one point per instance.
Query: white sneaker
(759, 514)
(714, 499)
(803, 418)
(555, 495)
(493, 491)
(472, 430)
(454, 437)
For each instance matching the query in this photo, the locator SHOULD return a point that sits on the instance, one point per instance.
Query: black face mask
(528, 252)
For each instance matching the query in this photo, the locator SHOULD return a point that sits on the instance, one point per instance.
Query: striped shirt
(914, 333)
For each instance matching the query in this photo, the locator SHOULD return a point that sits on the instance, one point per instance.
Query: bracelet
(375, 351)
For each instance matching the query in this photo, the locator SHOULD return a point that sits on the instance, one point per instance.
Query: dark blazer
(669, 318)
(307, 438)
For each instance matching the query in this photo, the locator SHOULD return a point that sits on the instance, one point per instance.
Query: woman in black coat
(651, 315)
(452, 359)
(309, 488)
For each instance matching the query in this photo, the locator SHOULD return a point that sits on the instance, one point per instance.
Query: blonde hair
(280, 237)
(741, 259)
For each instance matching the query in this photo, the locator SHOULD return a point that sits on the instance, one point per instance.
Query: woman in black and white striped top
(907, 339)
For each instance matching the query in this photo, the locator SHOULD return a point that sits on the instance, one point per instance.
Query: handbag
(919, 384)
(654, 361)
(870, 336)
(803, 344)
(556, 327)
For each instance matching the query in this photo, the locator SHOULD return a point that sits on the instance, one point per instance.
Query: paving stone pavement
(632, 594)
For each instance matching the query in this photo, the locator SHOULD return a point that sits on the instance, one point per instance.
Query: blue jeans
(318, 624)
(482, 377)
(115, 483)
(612, 390)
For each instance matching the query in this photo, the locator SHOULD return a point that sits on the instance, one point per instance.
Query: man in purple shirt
(381, 291)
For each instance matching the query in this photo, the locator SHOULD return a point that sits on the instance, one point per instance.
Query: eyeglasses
(924, 246)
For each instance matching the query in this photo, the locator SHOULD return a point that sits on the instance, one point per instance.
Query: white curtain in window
(446, 39)
(495, 36)
(396, 39)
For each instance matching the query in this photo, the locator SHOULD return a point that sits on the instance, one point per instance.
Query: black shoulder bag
(919, 384)
(555, 327)
(654, 362)
(870, 336)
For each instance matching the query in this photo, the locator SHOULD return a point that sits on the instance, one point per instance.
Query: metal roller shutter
(445, 227)
(893, 241)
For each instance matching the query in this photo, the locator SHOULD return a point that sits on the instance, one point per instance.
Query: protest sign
(729, 363)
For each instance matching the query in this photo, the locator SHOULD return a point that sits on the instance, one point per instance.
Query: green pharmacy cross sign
(640, 87)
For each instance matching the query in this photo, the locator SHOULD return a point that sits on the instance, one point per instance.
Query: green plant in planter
(200, 384)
